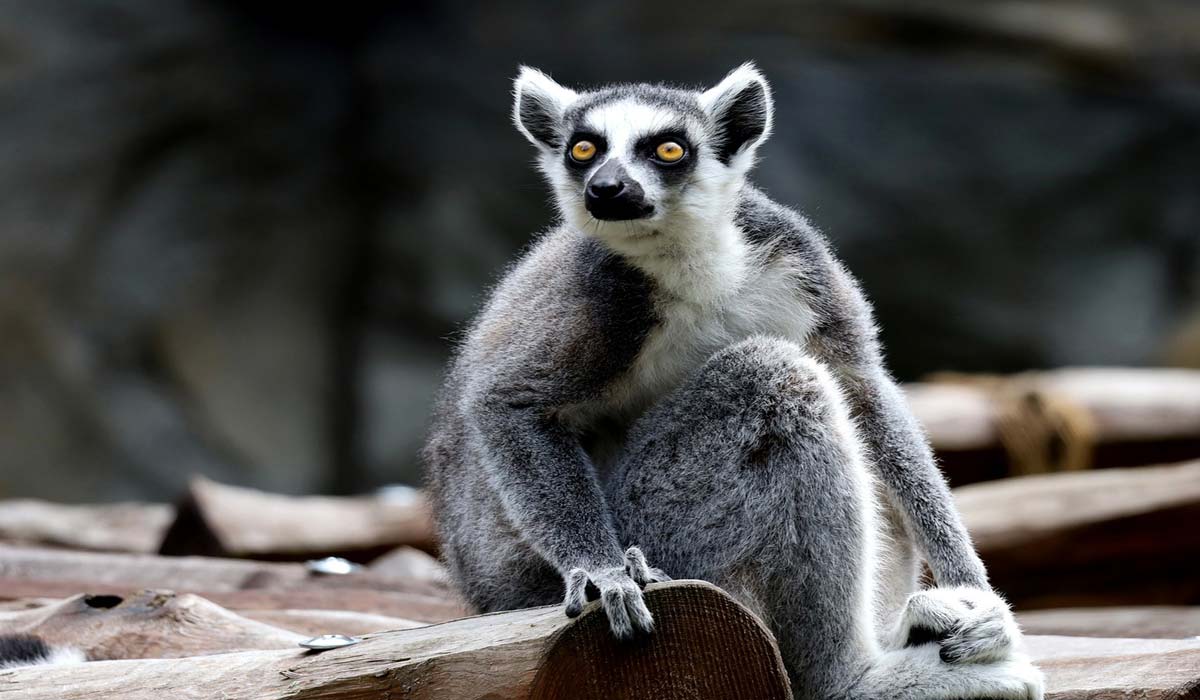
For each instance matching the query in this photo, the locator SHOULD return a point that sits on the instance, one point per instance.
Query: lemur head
(633, 162)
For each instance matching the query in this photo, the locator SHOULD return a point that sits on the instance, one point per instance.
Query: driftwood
(1152, 622)
(1107, 537)
(233, 583)
(317, 622)
(705, 646)
(409, 606)
(1132, 416)
(151, 624)
(119, 527)
(206, 573)
(219, 520)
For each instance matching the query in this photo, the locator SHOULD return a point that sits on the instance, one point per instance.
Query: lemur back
(683, 364)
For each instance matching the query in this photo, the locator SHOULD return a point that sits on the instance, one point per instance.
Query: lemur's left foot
(971, 625)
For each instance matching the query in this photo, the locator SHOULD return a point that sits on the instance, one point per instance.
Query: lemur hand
(619, 589)
(971, 625)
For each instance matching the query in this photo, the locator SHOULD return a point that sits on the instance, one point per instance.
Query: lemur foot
(971, 625)
(619, 589)
(918, 673)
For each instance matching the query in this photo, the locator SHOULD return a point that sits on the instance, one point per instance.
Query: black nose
(612, 195)
(606, 188)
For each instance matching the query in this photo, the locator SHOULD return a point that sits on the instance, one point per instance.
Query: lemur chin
(681, 375)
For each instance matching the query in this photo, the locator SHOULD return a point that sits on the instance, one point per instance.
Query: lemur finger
(577, 582)
(618, 616)
(639, 614)
(930, 615)
(991, 636)
(636, 566)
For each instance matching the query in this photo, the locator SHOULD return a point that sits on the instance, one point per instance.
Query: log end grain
(705, 645)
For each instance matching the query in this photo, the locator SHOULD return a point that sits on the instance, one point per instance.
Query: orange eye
(583, 151)
(669, 151)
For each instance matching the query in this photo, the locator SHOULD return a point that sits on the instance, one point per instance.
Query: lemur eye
(583, 151)
(669, 151)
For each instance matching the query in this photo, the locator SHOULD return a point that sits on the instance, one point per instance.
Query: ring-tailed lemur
(683, 365)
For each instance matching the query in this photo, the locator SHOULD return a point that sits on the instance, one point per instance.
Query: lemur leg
(750, 476)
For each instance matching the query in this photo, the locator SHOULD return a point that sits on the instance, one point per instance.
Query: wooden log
(219, 520)
(317, 622)
(1109, 537)
(1125, 404)
(1083, 668)
(119, 527)
(411, 564)
(149, 624)
(1146, 622)
(198, 573)
(146, 570)
(705, 645)
(1135, 416)
(411, 606)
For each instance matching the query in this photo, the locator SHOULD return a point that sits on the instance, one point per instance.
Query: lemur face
(634, 161)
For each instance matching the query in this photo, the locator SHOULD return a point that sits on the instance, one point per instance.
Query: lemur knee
(774, 378)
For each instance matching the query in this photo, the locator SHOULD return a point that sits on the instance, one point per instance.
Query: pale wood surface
(1147, 622)
(1083, 668)
(119, 527)
(245, 522)
(1100, 537)
(149, 624)
(317, 622)
(1125, 404)
(705, 645)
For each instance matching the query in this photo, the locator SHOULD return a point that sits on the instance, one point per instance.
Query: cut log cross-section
(705, 645)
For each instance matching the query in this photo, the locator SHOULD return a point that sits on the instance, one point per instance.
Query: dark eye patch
(575, 166)
(671, 173)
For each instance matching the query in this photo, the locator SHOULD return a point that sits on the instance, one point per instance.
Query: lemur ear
(538, 106)
(741, 109)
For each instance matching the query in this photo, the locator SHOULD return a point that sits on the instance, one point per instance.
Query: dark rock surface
(235, 237)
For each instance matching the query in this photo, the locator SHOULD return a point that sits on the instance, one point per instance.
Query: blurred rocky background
(238, 238)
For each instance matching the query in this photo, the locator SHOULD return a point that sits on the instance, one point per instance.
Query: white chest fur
(767, 301)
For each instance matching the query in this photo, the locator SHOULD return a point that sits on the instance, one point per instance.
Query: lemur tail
(17, 650)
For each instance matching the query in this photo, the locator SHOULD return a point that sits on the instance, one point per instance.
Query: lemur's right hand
(619, 589)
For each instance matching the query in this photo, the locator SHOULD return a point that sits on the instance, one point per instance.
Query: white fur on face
(690, 245)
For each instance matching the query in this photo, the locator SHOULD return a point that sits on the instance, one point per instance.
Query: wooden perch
(705, 646)
(1150, 622)
(220, 520)
(120, 527)
(1108, 537)
(1081, 668)
(317, 622)
(1124, 417)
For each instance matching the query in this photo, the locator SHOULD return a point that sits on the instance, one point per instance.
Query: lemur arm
(898, 447)
(545, 480)
(895, 442)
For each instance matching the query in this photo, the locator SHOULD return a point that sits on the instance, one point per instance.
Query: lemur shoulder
(682, 374)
